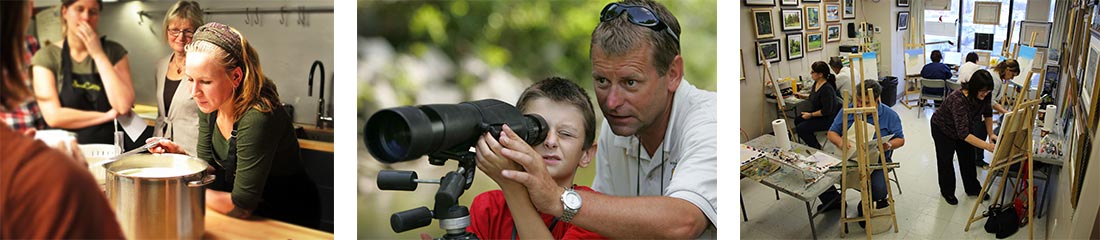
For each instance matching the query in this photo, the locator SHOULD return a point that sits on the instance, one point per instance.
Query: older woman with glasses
(177, 114)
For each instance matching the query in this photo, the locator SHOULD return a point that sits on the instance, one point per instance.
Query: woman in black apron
(84, 84)
(244, 133)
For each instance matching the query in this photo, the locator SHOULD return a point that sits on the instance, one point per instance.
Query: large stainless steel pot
(158, 196)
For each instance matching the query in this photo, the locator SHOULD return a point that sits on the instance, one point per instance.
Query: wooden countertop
(220, 226)
(149, 113)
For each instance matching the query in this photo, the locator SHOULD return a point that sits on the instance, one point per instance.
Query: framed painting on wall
(813, 16)
(903, 20)
(1041, 30)
(788, 2)
(759, 2)
(832, 33)
(1040, 60)
(770, 50)
(987, 12)
(795, 46)
(762, 23)
(792, 19)
(849, 9)
(903, 3)
(814, 41)
(832, 12)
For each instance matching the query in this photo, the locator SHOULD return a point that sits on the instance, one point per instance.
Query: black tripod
(453, 218)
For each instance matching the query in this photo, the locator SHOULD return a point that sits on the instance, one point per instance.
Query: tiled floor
(921, 211)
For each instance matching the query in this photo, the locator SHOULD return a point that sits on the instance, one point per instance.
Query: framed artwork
(832, 12)
(849, 9)
(832, 33)
(788, 2)
(795, 46)
(813, 16)
(1041, 30)
(1040, 60)
(762, 22)
(1088, 82)
(811, 1)
(792, 19)
(770, 50)
(814, 41)
(987, 12)
(903, 3)
(759, 2)
(903, 20)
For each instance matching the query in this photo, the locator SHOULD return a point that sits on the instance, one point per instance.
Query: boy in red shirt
(508, 213)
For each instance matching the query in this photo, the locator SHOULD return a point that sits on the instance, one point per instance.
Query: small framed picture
(1041, 31)
(788, 2)
(832, 33)
(770, 51)
(813, 16)
(903, 3)
(832, 12)
(811, 1)
(903, 20)
(849, 9)
(762, 19)
(759, 2)
(792, 19)
(814, 41)
(795, 46)
(1040, 60)
(987, 12)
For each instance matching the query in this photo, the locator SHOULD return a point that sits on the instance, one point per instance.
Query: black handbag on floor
(1002, 221)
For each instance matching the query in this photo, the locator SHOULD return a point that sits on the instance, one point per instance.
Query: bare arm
(45, 91)
(977, 142)
(222, 202)
(116, 77)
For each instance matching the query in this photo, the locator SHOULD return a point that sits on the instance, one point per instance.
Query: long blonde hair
(256, 90)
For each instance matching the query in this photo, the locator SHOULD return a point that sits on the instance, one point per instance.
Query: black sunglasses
(639, 15)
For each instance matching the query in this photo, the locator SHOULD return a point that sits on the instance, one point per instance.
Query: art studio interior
(919, 119)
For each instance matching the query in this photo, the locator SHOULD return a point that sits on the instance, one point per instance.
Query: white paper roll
(782, 138)
(1050, 118)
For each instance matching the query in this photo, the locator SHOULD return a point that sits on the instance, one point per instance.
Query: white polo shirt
(966, 70)
(684, 167)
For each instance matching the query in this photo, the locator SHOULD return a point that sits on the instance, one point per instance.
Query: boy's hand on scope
(489, 159)
(544, 192)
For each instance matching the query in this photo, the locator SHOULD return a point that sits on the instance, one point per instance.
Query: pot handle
(199, 183)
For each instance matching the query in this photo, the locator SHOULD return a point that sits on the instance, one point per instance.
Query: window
(1012, 12)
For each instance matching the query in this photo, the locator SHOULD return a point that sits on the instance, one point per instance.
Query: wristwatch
(571, 204)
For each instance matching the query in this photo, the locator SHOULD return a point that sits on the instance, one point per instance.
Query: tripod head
(453, 218)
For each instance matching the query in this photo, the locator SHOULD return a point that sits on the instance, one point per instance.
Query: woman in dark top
(951, 132)
(244, 134)
(823, 105)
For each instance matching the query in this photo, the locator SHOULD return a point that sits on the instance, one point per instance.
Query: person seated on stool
(952, 134)
(889, 124)
(935, 70)
(843, 77)
(822, 100)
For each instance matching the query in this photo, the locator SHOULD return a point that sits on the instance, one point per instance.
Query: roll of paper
(1050, 118)
(782, 138)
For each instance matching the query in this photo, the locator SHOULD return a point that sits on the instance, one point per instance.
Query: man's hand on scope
(545, 193)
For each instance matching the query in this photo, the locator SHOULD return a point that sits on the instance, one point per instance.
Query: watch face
(572, 200)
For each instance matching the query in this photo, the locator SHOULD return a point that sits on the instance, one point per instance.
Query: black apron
(293, 199)
(86, 92)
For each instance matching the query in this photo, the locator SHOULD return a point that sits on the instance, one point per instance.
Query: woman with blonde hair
(244, 133)
(177, 114)
(83, 83)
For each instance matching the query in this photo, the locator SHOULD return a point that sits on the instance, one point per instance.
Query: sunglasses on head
(638, 15)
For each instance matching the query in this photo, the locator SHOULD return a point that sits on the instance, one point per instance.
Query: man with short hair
(843, 77)
(657, 160)
(968, 68)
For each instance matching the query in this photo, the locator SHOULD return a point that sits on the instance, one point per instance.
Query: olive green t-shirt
(266, 147)
(50, 58)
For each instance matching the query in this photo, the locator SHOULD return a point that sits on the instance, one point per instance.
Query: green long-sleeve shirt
(266, 147)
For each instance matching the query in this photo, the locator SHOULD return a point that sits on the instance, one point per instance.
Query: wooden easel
(1014, 148)
(911, 79)
(766, 77)
(864, 169)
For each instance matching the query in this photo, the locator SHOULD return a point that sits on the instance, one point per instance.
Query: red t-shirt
(490, 218)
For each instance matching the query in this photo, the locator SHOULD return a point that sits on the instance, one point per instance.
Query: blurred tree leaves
(531, 39)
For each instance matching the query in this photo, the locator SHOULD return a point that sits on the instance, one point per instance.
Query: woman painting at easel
(83, 83)
(951, 133)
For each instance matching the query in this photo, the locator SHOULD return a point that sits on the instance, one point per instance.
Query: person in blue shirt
(935, 70)
(889, 124)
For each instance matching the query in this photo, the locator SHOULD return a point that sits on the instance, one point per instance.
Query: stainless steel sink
(314, 134)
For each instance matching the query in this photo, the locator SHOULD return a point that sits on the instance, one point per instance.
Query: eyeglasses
(177, 32)
(639, 15)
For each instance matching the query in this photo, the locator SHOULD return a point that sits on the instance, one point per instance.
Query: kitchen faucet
(322, 120)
